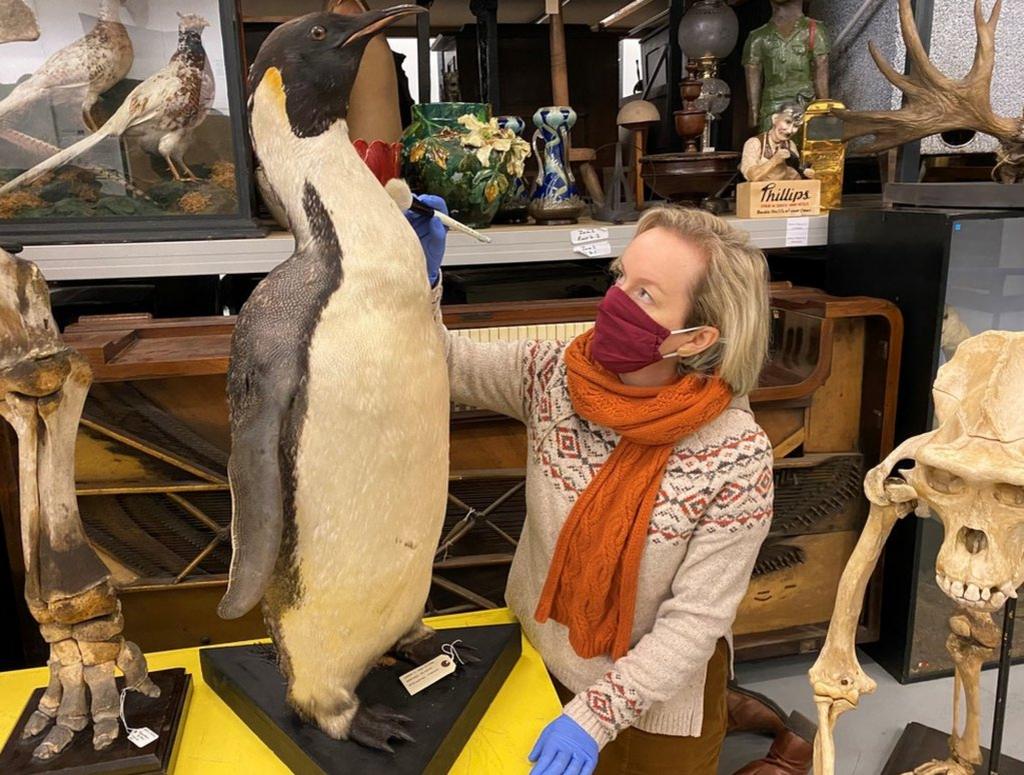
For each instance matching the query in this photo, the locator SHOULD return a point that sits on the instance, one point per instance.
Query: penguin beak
(369, 24)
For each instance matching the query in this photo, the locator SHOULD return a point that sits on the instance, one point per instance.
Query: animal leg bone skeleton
(43, 385)
(969, 474)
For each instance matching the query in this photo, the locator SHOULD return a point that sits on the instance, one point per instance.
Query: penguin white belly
(371, 485)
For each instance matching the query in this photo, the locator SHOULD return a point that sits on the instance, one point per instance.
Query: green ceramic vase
(437, 161)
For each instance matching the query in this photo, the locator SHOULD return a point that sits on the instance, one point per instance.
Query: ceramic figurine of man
(773, 155)
(786, 60)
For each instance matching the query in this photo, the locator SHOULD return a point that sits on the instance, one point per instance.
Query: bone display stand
(443, 715)
(919, 742)
(164, 715)
(43, 385)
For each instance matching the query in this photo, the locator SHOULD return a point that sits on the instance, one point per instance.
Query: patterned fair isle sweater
(711, 515)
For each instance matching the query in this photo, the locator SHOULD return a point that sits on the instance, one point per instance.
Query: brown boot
(753, 712)
(791, 753)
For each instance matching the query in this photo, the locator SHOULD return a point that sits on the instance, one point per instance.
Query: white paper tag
(580, 236)
(142, 736)
(552, 6)
(594, 249)
(797, 230)
(419, 678)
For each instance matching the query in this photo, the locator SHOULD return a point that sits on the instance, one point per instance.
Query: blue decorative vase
(514, 208)
(554, 199)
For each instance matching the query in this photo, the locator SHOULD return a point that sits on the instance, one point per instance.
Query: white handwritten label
(581, 236)
(142, 736)
(797, 230)
(594, 249)
(427, 674)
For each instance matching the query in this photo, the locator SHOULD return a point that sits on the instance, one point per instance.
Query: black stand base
(164, 715)
(444, 715)
(920, 744)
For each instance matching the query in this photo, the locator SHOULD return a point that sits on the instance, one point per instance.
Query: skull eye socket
(317, 32)
(943, 481)
(1010, 494)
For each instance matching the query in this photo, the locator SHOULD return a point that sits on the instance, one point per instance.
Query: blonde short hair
(732, 296)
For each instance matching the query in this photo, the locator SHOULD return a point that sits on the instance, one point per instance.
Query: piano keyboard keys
(562, 332)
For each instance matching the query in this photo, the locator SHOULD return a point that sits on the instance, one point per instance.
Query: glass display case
(953, 274)
(125, 119)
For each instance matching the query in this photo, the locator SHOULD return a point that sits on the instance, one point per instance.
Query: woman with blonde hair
(648, 492)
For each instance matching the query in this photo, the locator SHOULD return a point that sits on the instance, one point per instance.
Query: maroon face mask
(625, 337)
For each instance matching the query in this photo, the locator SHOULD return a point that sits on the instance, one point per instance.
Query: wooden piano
(153, 447)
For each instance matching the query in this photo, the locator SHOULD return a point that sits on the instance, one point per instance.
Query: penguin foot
(427, 648)
(375, 726)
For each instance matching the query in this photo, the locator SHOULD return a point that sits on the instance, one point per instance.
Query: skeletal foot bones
(84, 633)
(945, 767)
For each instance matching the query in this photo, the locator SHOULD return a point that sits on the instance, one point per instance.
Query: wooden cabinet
(153, 447)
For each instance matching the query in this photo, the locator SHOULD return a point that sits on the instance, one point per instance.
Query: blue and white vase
(513, 208)
(555, 199)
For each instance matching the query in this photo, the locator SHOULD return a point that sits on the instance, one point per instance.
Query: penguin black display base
(165, 715)
(444, 715)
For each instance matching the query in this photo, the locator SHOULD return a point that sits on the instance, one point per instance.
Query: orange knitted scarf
(592, 582)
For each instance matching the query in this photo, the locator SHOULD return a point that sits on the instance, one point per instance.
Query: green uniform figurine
(786, 60)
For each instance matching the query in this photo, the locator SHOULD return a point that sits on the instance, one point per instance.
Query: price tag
(142, 736)
(797, 230)
(594, 249)
(427, 674)
(581, 236)
(552, 6)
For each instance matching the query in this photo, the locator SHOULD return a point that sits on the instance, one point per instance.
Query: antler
(932, 101)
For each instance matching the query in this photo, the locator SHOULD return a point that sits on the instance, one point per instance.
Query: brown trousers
(635, 752)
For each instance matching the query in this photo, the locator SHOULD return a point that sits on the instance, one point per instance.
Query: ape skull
(969, 471)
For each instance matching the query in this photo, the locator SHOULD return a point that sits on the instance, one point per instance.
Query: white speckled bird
(163, 110)
(82, 70)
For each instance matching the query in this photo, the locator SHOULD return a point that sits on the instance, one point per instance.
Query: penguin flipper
(263, 380)
(254, 475)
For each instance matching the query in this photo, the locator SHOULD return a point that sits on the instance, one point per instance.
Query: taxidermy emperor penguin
(338, 395)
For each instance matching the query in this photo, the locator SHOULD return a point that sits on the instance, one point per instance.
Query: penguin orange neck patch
(274, 83)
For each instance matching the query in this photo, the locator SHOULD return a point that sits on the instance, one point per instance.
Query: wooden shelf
(510, 245)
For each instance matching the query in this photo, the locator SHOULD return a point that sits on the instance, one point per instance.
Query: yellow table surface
(216, 741)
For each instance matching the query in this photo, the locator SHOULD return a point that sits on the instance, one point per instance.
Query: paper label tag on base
(428, 673)
(142, 737)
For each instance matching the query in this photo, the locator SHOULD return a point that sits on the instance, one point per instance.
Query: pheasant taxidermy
(163, 110)
(82, 70)
(933, 102)
(17, 22)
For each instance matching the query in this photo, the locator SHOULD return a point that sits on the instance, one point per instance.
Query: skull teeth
(973, 595)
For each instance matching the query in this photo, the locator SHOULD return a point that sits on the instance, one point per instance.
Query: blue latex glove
(564, 748)
(432, 233)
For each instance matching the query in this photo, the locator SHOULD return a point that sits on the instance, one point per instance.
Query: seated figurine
(773, 155)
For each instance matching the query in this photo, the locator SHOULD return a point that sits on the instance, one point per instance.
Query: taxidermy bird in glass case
(81, 71)
(163, 111)
(338, 395)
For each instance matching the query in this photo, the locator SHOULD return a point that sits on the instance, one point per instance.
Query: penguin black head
(317, 59)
